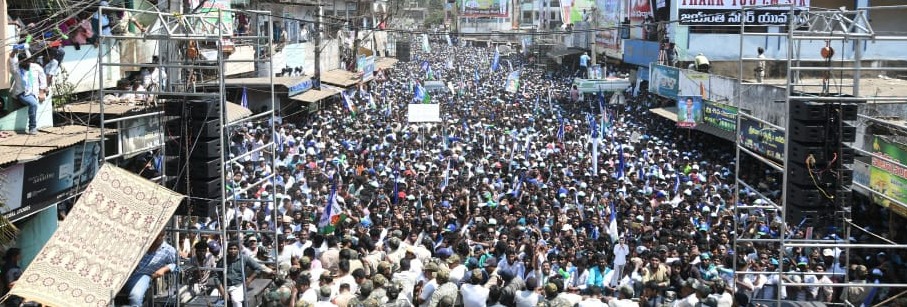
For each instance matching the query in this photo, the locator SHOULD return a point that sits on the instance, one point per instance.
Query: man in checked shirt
(159, 260)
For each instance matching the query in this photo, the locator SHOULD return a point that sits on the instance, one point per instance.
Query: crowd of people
(529, 198)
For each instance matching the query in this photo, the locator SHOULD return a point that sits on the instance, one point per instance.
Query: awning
(671, 114)
(23, 147)
(261, 81)
(385, 63)
(313, 96)
(564, 52)
(340, 77)
(236, 112)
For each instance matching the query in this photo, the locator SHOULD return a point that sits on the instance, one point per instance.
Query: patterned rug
(96, 247)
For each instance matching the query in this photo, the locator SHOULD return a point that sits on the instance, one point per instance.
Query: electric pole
(316, 84)
(359, 12)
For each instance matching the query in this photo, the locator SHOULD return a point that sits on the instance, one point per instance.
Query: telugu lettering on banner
(761, 138)
(725, 17)
(720, 115)
(887, 178)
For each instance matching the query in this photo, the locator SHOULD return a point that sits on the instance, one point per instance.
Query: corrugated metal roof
(94, 107)
(24, 147)
(312, 96)
(340, 78)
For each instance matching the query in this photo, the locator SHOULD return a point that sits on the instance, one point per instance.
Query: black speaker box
(807, 111)
(403, 51)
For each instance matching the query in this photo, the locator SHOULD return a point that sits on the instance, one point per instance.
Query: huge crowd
(506, 202)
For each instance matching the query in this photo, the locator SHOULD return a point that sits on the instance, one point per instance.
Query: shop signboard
(139, 133)
(608, 39)
(484, 8)
(888, 178)
(761, 138)
(720, 115)
(51, 179)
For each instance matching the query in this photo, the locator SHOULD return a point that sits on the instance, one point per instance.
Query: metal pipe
(881, 121)
(749, 187)
(750, 116)
(853, 99)
(245, 119)
(807, 68)
(842, 285)
(787, 99)
(876, 193)
(772, 164)
(142, 65)
(203, 95)
(880, 157)
(849, 245)
(143, 115)
(249, 153)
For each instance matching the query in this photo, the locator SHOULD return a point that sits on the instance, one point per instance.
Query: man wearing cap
(474, 293)
(446, 290)
(241, 269)
(426, 286)
(457, 269)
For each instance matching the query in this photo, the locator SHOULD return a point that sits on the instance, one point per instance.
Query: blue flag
(244, 101)
(497, 60)
(560, 130)
(395, 197)
(676, 184)
(620, 162)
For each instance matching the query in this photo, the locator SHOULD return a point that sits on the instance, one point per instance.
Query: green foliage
(62, 89)
(435, 17)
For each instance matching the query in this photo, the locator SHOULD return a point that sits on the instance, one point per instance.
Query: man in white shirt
(427, 287)
(406, 279)
(473, 292)
(594, 299)
(29, 86)
(621, 250)
(457, 269)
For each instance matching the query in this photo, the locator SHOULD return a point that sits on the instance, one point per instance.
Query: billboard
(484, 8)
(761, 138)
(663, 81)
(574, 11)
(720, 115)
(139, 133)
(639, 10)
(888, 178)
(50, 179)
(366, 66)
(689, 111)
(609, 19)
(727, 13)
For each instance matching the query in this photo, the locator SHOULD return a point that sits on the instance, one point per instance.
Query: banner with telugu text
(887, 178)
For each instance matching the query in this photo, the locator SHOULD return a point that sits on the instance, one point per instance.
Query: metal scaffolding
(192, 51)
(845, 28)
